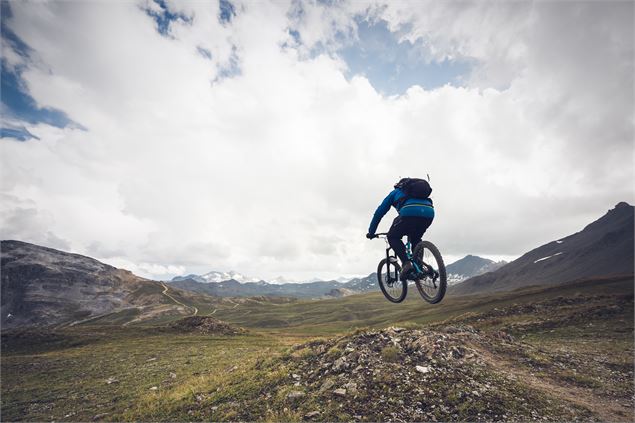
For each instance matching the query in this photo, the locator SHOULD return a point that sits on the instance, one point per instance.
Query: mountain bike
(428, 275)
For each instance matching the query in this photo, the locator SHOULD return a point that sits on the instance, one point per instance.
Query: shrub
(390, 354)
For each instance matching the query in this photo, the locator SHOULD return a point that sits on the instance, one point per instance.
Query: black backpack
(414, 188)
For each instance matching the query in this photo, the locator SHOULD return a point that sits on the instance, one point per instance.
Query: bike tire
(391, 292)
(425, 286)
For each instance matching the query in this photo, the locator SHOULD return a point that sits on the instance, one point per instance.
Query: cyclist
(411, 199)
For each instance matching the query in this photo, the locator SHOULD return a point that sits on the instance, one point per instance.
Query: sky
(174, 137)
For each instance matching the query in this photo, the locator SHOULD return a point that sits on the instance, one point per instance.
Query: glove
(370, 236)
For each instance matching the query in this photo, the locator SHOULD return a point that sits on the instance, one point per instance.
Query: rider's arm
(381, 211)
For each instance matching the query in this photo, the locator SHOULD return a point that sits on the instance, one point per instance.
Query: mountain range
(233, 284)
(215, 277)
(318, 289)
(44, 286)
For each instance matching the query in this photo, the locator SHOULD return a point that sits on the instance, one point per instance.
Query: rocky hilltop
(602, 248)
(42, 286)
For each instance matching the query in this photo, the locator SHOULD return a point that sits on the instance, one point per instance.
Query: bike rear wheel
(391, 286)
(433, 283)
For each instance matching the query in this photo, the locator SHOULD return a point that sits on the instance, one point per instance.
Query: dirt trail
(606, 409)
(77, 322)
(165, 292)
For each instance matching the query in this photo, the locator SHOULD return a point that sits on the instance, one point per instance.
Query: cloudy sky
(170, 137)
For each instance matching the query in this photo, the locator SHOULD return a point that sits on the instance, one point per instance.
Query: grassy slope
(63, 376)
(372, 310)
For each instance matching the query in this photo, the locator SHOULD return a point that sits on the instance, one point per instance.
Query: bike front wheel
(433, 282)
(391, 286)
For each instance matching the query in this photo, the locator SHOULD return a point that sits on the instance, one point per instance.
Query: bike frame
(409, 254)
(394, 256)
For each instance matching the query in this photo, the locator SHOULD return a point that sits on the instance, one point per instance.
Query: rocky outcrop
(340, 292)
(454, 372)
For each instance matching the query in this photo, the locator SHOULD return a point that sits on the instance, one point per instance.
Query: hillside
(602, 248)
(42, 287)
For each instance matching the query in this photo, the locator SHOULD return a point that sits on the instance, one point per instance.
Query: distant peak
(622, 204)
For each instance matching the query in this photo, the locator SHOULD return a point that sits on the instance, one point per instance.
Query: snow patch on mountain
(217, 277)
(548, 257)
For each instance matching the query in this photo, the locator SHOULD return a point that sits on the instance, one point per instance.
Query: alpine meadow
(323, 211)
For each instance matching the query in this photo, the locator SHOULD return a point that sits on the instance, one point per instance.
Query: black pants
(413, 226)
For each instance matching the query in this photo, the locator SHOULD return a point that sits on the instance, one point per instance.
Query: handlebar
(382, 234)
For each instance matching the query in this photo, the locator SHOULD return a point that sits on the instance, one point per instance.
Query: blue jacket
(411, 207)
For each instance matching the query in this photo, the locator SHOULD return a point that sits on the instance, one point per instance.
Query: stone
(340, 392)
(295, 394)
(423, 369)
(311, 414)
(173, 375)
(339, 363)
(154, 388)
(112, 380)
(351, 387)
(328, 384)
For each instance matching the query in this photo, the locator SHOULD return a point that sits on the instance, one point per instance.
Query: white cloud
(278, 170)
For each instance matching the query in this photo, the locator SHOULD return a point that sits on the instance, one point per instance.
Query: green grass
(65, 377)
(372, 310)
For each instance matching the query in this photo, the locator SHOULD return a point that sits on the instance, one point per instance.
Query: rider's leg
(397, 230)
(419, 226)
(403, 225)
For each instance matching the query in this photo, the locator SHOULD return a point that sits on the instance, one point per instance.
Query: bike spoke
(431, 284)
(392, 285)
